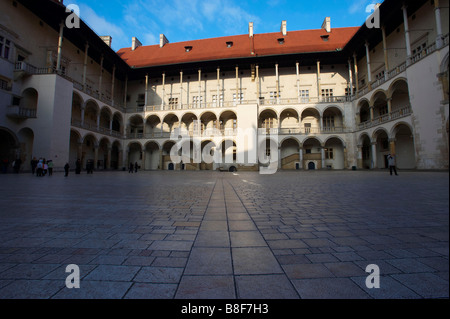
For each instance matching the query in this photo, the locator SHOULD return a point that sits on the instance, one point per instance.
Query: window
(141, 100)
(329, 153)
(268, 123)
(307, 127)
(215, 104)
(328, 122)
(239, 100)
(348, 91)
(5, 46)
(173, 102)
(327, 94)
(274, 97)
(304, 96)
(308, 151)
(197, 101)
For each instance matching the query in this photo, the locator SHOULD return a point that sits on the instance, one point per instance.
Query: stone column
(374, 154)
(359, 158)
(297, 72)
(437, 14)
(60, 43)
(385, 50)
(369, 71)
(86, 47)
(300, 153)
(407, 38)
(355, 63)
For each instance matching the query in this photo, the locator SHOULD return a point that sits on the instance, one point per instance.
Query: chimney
(250, 29)
(326, 25)
(162, 40)
(283, 28)
(107, 39)
(135, 43)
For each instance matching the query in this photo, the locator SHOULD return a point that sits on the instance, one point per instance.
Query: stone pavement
(207, 235)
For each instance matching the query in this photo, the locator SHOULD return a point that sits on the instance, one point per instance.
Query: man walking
(391, 163)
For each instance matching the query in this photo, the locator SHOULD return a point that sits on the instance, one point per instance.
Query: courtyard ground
(206, 235)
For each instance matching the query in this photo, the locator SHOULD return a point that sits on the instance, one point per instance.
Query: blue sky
(183, 20)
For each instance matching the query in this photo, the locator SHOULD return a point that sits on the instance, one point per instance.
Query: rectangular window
(215, 103)
(328, 122)
(308, 151)
(141, 100)
(239, 98)
(173, 103)
(304, 96)
(327, 95)
(307, 127)
(2, 43)
(197, 101)
(6, 49)
(329, 153)
(273, 96)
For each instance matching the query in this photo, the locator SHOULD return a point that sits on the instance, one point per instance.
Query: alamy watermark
(73, 19)
(373, 20)
(373, 280)
(73, 279)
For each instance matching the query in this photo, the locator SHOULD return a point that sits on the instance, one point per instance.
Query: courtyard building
(328, 98)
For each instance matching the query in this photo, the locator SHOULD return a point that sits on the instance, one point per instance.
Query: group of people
(41, 167)
(133, 167)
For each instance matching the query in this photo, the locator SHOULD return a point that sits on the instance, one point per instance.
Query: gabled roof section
(243, 46)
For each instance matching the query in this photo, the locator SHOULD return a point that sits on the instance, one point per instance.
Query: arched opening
(366, 150)
(381, 148)
(75, 147)
(332, 120)
(151, 156)
(166, 160)
(209, 123)
(77, 103)
(88, 150)
(228, 122)
(364, 111)
(26, 139)
(29, 102)
(334, 153)
(290, 157)
(105, 119)
(404, 147)
(400, 102)
(188, 122)
(153, 127)
(117, 124)
(102, 158)
(134, 154)
(310, 121)
(9, 146)
(289, 118)
(208, 148)
(227, 155)
(312, 153)
(115, 155)
(268, 119)
(136, 126)
(90, 114)
(170, 123)
(380, 107)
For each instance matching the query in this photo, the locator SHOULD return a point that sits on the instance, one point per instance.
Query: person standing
(78, 166)
(391, 163)
(50, 167)
(135, 167)
(66, 169)
(130, 168)
(39, 168)
(33, 165)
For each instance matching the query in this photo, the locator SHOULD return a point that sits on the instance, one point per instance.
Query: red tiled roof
(216, 48)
